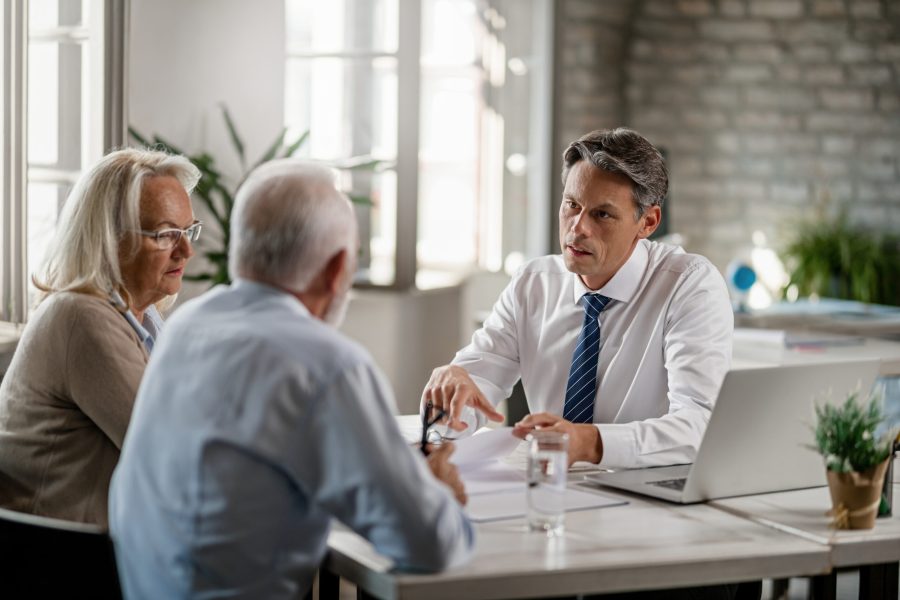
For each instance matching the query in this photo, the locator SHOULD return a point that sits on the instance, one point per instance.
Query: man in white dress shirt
(257, 423)
(659, 341)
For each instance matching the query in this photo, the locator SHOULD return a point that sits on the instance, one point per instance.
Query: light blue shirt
(149, 327)
(256, 424)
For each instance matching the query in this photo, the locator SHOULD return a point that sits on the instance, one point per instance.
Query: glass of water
(548, 463)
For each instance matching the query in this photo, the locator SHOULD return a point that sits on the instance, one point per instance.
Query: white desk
(646, 544)
(802, 513)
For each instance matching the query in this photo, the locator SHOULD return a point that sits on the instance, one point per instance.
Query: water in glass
(547, 467)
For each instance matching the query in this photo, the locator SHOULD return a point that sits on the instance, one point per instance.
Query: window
(453, 97)
(63, 119)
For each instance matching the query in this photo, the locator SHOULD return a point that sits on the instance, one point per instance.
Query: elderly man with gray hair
(257, 422)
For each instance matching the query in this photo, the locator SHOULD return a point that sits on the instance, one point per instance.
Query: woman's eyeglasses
(167, 238)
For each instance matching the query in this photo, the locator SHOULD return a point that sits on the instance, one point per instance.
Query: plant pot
(855, 497)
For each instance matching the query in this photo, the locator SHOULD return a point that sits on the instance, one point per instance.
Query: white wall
(411, 333)
(186, 57)
(408, 334)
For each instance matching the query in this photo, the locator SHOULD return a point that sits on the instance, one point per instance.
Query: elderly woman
(122, 241)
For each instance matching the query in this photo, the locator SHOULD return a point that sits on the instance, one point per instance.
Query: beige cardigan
(65, 403)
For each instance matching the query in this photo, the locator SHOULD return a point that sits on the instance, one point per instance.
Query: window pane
(43, 103)
(55, 85)
(349, 106)
(314, 26)
(44, 200)
(450, 108)
(477, 106)
(451, 32)
(448, 214)
(449, 188)
(43, 14)
(49, 14)
(378, 225)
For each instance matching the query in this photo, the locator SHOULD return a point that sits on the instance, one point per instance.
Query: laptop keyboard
(672, 484)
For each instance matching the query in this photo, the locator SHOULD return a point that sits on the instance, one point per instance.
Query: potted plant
(855, 459)
(217, 193)
(835, 259)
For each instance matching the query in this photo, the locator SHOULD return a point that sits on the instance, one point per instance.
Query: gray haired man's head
(289, 220)
(628, 153)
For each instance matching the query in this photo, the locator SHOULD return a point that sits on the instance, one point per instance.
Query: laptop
(757, 436)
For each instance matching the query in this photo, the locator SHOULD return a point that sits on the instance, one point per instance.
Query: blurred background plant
(835, 259)
(216, 191)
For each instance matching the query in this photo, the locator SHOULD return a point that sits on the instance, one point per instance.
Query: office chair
(48, 558)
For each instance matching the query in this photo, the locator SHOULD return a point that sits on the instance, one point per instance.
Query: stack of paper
(794, 339)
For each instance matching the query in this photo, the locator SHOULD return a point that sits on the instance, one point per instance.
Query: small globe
(741, 276)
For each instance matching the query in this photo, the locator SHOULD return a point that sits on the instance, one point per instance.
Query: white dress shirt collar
(624, 284)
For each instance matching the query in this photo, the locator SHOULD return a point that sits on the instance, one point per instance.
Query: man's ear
(333, 273)
(652, 216)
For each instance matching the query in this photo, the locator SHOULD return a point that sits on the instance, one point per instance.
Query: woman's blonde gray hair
(100, 210)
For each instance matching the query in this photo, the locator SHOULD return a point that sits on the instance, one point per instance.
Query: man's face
(597, 228)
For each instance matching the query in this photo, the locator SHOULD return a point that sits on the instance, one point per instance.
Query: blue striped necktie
(582, 385)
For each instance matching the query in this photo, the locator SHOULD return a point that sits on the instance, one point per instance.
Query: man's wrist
(593, 444)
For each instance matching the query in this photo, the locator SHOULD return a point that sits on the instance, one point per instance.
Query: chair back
(49, 558)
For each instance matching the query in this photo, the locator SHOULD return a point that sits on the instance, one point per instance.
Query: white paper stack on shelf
(794, 339)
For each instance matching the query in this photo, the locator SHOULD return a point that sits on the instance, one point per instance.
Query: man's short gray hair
(288, 221)
(628, 153)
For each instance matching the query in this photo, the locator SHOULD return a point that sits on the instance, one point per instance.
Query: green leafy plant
(832, 258)
(216, 191)
(845, 435)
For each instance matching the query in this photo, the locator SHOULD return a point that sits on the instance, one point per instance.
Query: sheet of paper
(511, 504)
(485, 445)
(491, 476)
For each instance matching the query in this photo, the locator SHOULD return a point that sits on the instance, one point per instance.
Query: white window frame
(408, 56)
(13, 226)
(110, 66)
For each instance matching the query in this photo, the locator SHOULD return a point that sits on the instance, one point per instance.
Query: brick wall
(768, 108)
(591, 45)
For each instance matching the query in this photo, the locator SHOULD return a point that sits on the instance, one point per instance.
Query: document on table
(484, 446)
(479, 459)
(496, 489)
